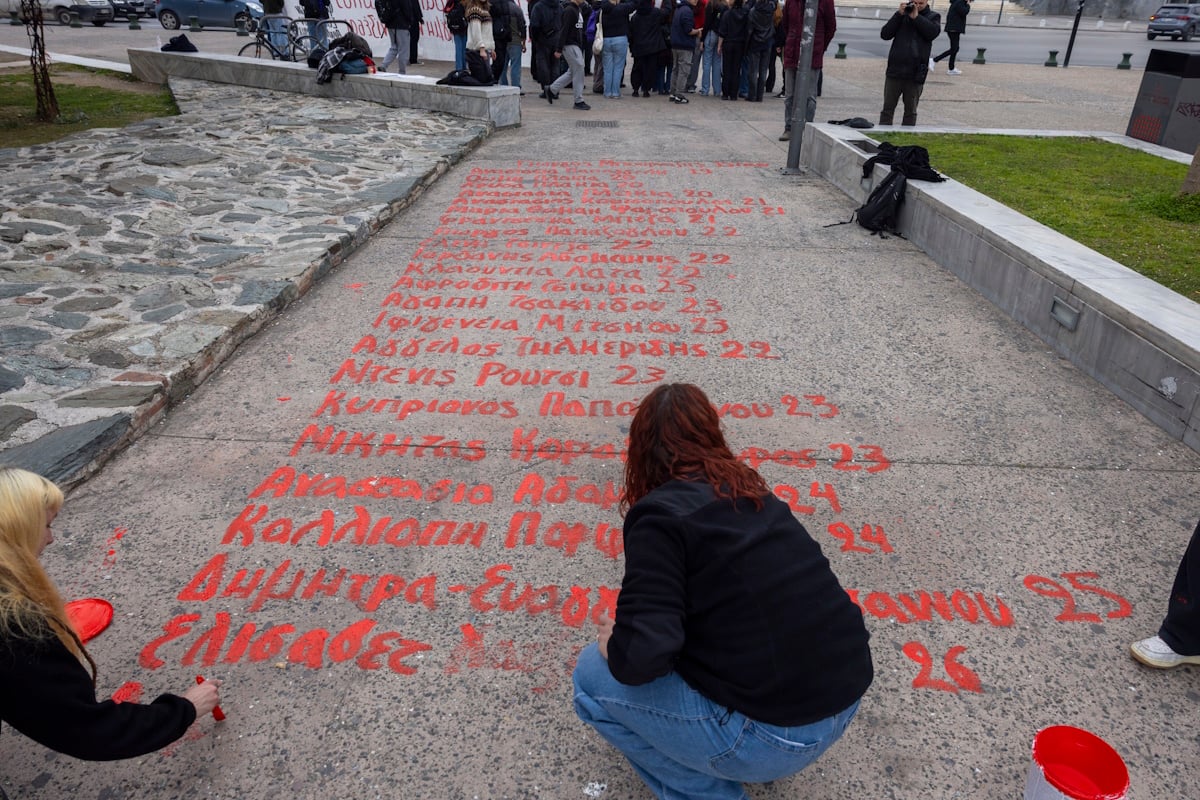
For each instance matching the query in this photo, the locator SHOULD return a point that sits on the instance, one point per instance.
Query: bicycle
(267, 40)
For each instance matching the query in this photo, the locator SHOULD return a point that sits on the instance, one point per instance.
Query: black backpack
(456, 17)
(881, 213)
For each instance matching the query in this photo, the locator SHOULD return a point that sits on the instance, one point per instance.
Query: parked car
(1177, 21)
(97, 12)
(132, 9)
(209, 13)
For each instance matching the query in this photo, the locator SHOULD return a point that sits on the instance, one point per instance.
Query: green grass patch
(1120, 202)
(86, 99)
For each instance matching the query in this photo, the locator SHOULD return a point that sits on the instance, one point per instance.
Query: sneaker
(954, 72)
(582, 106)
(932, 65)
(786, 136)
(781, 94)
(1154, 652)
(678, 98)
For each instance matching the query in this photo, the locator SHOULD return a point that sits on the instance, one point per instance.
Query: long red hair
(676, 434)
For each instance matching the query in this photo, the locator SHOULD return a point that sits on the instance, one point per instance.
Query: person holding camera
(911, 31)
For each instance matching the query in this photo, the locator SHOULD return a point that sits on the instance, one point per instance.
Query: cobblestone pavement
(133, 261)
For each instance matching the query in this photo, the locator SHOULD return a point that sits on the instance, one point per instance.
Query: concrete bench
(499, 105)
(1136, 337)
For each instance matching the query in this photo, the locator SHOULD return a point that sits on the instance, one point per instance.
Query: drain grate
(596, 123)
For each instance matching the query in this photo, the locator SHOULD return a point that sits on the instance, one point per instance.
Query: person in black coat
(735, 655)
(911, 30)
(956, 26)
(1178, 639)
(46, 691)
(731, 44)
(647, 40)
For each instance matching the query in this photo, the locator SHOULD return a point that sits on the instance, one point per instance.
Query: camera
(908, 7)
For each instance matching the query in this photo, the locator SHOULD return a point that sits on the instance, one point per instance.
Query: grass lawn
(1120, 202)
(86, 99)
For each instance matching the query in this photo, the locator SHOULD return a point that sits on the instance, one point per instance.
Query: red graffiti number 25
(1048, 587)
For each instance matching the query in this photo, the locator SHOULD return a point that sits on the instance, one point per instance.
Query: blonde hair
(30, 606)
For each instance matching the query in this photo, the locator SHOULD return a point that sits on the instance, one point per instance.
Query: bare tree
(47, 103)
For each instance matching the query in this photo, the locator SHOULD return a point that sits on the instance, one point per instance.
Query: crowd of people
(726, 48)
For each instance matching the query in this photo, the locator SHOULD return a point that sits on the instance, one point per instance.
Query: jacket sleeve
(46, 694)
(828, 22)
(929, 26)
(651, 608)
(888, 31)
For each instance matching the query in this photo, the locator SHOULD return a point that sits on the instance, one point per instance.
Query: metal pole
(1000, 16)
(1071, 41)
(803, 87)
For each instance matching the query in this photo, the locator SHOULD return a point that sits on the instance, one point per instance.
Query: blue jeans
(276, 28)
(685, 746)
(616, 49)
(512, 76)
(460, 51)
(318, 33)
(712, 65)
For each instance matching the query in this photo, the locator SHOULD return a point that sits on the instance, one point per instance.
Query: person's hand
(522, 47)
(204, 697)
(604, 629)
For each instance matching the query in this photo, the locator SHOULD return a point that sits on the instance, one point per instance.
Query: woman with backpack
(614, 22)
(456, 23)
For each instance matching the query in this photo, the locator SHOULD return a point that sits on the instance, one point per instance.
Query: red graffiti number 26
(963, 677)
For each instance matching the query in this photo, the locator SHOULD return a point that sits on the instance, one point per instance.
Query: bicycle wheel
(302, 47)
(257, 49)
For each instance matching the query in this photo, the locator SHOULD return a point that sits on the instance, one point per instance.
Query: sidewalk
(479, 311)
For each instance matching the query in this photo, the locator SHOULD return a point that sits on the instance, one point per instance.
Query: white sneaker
(932, 65)
(954, 72)
(1154, 652)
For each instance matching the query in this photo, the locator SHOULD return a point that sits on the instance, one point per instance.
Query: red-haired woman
(735, 656)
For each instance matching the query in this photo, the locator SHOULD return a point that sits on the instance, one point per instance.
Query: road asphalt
(387, 519)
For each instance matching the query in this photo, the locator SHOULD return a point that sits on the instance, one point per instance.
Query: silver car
(1180, 21)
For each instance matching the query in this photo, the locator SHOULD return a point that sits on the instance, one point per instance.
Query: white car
(97, 12)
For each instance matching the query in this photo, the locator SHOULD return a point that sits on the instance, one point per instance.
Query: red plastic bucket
(1074, 764)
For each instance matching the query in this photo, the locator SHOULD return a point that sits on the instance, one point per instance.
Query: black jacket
(571, 26)
(956, 17)
(742, 604)
(912, 39)
(734, 26)
(647, 30)
(398, 15)
(616, 17)
(46, 694)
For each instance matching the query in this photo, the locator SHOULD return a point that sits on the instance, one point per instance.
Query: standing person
(397, 17)
(571, 37)
(614, 21)
(700, 18)
(275, 27)
(824, 28)
(735, 655)
(731, 45)
(414, 36)
(544, 21)
(481, 47)
(1178, 639)
(710, 76)
(760, 40)
(911, 30)
(516, 45)
(593, 19)
(683, 48)
(47, 677)
(314, 12)
(501, 13)
(646, 42)
(956, 26)
(456, 23)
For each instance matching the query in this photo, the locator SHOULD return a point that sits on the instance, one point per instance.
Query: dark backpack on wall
(881, 213)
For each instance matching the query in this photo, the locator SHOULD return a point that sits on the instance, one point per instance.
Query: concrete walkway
(384, 522)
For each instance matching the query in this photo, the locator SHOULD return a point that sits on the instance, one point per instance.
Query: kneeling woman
(45, 691)
(735, 656)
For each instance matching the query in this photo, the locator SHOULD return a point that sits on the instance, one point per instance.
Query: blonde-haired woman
(45, 690)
